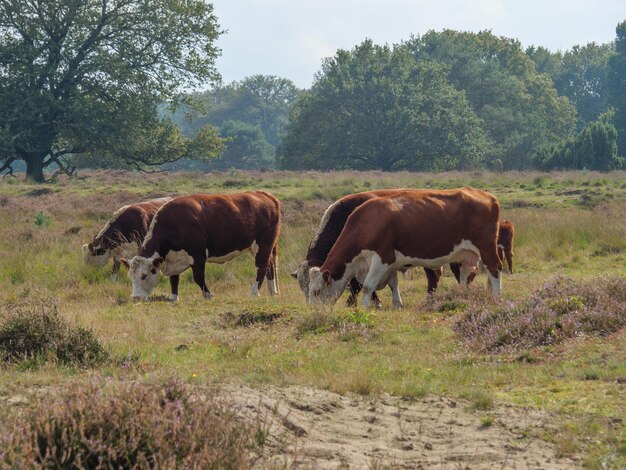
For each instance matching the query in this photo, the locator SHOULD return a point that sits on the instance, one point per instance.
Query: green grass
(566, 223)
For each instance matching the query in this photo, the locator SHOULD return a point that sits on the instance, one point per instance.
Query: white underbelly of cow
(253, 249)
(465, 253)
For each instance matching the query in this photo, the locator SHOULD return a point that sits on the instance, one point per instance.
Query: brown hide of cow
(217, 225)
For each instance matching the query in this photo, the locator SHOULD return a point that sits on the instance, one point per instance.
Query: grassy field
(567, 224)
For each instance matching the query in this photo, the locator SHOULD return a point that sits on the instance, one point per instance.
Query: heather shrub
(560, 309)
(131, 426)
(457, 299)
(35, 331)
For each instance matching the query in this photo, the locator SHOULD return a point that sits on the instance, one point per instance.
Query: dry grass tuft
(131, 426)
(34, 331)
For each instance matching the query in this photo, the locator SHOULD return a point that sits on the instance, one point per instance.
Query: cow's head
(302, 275)
(143, 272)
(95, 255)
(323, 289)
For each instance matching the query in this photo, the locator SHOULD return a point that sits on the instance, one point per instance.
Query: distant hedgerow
(131, 426)
(560, 309)
(35, 331)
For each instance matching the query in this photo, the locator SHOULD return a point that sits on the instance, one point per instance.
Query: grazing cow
(190, 231)
(330, 227)
(122, 235)
(427, 228)
(505, 251)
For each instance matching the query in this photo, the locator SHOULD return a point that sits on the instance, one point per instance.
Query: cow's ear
(125, 262)
(156, 262)
(90, 246)
(326, 277)
(295, 274)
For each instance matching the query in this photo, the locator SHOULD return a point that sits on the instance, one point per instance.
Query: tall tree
(374, 107)
(518, 106)
(580, 74)
(617, 86)
(87, 77)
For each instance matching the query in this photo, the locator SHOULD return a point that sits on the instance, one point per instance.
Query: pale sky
(289, 38)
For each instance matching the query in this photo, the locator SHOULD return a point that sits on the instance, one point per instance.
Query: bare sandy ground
(311, 428)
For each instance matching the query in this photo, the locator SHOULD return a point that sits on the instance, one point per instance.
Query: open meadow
(536, 380)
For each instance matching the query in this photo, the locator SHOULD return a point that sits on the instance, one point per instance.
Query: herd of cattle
(362, 242)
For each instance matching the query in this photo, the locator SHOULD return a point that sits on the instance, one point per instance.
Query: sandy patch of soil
(321, 429)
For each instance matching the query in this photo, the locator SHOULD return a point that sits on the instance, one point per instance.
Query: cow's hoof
(207, 295)
(378, 305)
(174, 298)
(113, 277)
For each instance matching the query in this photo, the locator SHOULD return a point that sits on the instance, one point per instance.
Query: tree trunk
(34, 168)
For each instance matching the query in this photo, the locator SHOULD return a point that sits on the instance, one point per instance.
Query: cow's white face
(302, 275)
(323, 289)
(144, 274)
(95, 256)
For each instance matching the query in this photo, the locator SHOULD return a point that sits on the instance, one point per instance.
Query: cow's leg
(272, 273)
(174, 287)
(508, 253)
(395, 291)
(355, 287)
(197, 268)
(375, 274)
(491, 260)
(266, 242)
(116, 268)
(433, 276)
(456, 270)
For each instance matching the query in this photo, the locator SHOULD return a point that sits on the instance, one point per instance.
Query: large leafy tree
(580, 74)
(617, 85)
(88, 76)
(519, 107)
(375, 107)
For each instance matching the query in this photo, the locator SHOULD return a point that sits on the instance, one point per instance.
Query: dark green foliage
(87, 77)
(594, 148)
(580, 74)
(375, 107)
(131, 426)
(252, 113)
(36, 332)
(617, 86)
(519, 108)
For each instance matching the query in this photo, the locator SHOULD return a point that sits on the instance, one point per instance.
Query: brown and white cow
(122, 235)
(427, 228)
(331, 225)
(190, 231)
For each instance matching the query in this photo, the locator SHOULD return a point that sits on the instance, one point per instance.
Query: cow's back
(423, 224)
(219, 223)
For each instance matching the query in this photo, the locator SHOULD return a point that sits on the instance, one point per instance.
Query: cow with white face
(427, 228)
(122, 235)
(190, 231)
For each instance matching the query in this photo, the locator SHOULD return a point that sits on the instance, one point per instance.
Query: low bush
(35, 331)
(560, 309)
(131, 426)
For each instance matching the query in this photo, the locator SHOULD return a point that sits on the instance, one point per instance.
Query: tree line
(102, 83)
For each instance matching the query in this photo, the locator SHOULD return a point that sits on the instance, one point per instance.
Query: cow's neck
(339, 257)
(154, 246)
